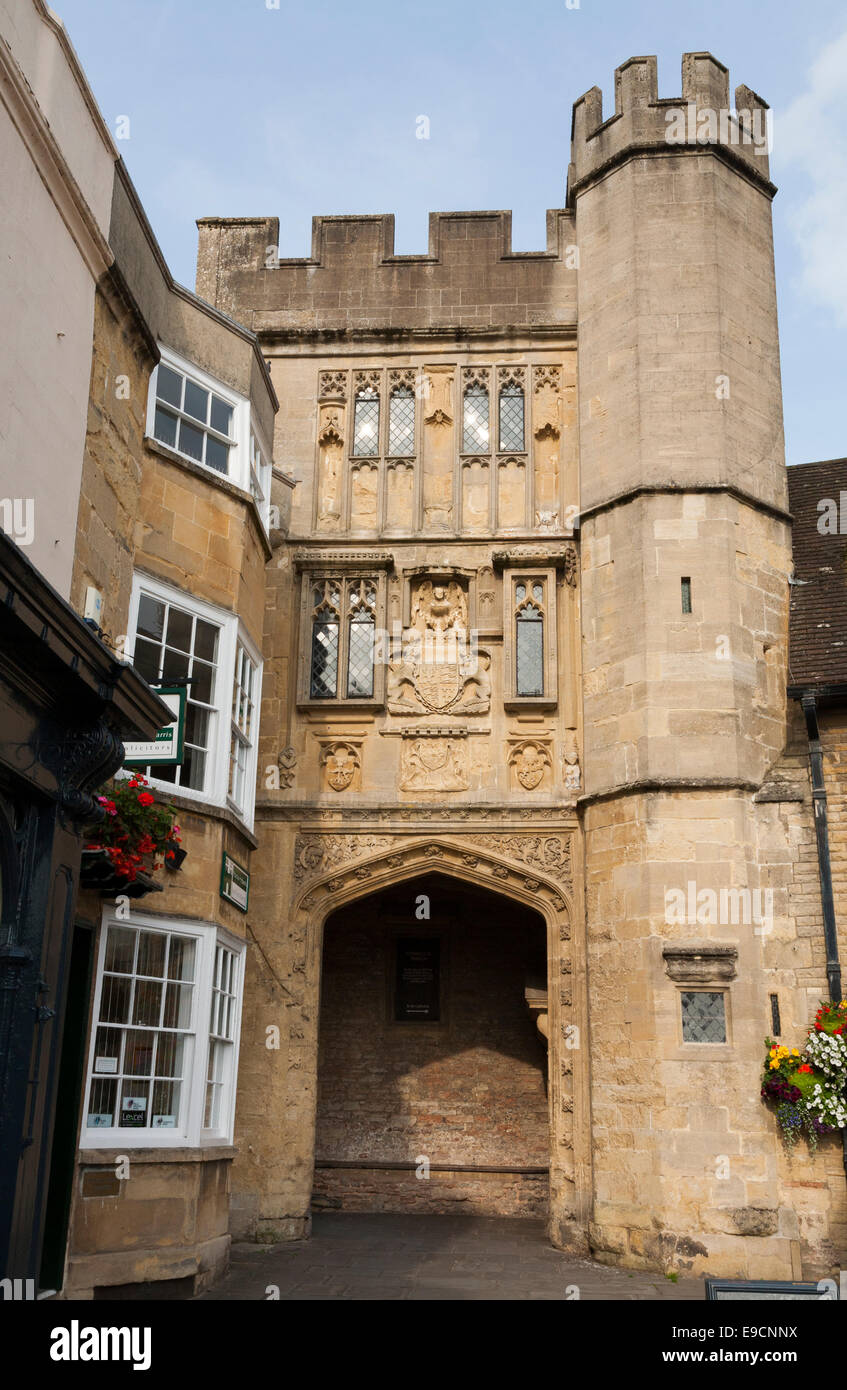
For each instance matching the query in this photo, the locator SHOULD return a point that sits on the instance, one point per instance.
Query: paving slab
(380, 1256)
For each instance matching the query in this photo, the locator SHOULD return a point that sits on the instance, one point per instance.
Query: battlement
(699, 119)
(469, 275)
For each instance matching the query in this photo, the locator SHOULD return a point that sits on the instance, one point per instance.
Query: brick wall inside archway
(467, 1092)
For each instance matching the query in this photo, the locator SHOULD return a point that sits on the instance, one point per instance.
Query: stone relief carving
(436, 672)
(402, 376)
(341, 761)
(571, 565)
(512, 376)
(331, 427)
(546, 419)
(286, 761)
(330, 467)
(531, 761)
(438, 396)
(438, 607)
(314, 854)
(434, 763)
(332, 386)
(476, 376)
(440, 687)
(550, 852)
(487, 593)
(570, 760)
(367, 380)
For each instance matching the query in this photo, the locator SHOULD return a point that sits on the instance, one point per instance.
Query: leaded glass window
(703, 1016)
(342, 643)
(366, 423)
(529, 637)
(326, 626)
(401, 422)
(361, 602)
(475, 432)
(511, 418)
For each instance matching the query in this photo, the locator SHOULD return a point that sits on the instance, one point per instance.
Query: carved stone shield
(438, 683)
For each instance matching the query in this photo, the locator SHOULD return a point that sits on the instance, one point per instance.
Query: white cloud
(812, 135)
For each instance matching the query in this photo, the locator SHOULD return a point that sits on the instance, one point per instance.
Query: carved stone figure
(439, 607)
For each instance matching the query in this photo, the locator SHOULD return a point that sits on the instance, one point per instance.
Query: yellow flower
(774, 1063)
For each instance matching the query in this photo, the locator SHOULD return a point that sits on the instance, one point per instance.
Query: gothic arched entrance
(432, 1064)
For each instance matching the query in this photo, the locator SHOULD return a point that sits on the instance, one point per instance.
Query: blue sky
(238, 109)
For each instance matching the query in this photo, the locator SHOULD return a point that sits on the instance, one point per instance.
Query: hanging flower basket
(809, 1090)
(137, 836)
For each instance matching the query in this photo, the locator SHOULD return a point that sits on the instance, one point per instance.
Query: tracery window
(475, 422)
(511, 417)
(401, 422)
(366, 423)
(343, 628)
(529, 637)
(530, 659)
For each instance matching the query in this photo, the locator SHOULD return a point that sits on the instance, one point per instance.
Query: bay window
(156, 1074)
(177, 639)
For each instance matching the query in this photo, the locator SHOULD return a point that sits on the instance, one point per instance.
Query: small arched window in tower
(529, 638)
(326, 615)
(475, 433)
(511, 418)
(361, 603)
(366, 423)
(401, 422)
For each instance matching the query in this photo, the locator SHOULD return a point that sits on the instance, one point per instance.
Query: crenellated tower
(685, 541)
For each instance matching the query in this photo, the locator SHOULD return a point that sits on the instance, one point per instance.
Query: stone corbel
(536, 1002)
(695, 962)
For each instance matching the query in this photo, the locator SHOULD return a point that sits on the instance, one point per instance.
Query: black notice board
(417, 993)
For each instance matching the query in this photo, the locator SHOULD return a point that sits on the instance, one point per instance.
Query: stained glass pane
(323, 681)
(703, 1017)
(530, 653)
(366, 425)
(511, 420)
(475, 431)
(401, 423)
(360, 665)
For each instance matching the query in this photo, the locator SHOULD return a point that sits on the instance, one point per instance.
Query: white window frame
(239, 452)
(190, 1133)
(260, 482)
(215, 790)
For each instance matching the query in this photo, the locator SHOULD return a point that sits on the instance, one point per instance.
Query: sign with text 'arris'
(166, 749)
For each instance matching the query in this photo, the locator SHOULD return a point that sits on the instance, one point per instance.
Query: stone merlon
(644, 122)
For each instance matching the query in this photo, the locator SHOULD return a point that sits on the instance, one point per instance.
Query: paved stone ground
(353, 1256)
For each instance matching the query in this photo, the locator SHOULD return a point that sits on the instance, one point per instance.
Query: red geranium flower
(145, 799)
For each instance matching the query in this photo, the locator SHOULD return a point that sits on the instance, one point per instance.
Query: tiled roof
(818, 624)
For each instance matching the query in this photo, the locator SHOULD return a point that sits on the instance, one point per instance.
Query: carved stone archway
(333, 870)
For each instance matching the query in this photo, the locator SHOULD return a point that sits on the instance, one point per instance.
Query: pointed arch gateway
(531, 870)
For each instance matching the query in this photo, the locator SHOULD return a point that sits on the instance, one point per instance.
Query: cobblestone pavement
(353, 1256)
